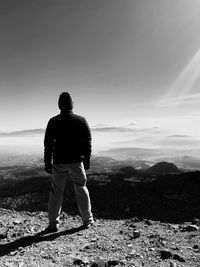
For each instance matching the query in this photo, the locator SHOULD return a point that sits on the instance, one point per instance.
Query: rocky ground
(124, 242)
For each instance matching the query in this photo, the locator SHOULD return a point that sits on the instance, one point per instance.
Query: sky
(123, 61)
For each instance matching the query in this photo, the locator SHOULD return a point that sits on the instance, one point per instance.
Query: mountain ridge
(163, 167)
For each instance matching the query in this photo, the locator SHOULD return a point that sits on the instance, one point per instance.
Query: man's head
(65, 101)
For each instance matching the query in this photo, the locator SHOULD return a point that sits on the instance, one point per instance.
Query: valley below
(145, 215)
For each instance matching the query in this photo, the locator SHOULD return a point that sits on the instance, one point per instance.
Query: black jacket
(67, 139)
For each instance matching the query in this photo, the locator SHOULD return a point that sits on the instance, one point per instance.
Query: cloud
(195, 114)
(178, 136)
(131, 124)
(179, 142)
(166, 101)
(111, 129)
(143, 141)
(180, 100)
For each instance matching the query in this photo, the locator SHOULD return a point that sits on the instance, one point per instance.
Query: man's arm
(87, 146)
(48, 146)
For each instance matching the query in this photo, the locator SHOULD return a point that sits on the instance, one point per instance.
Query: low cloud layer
(107, 137)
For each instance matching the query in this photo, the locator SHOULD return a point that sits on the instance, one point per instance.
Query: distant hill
(163, 168)
(141, 164)
(129, 170)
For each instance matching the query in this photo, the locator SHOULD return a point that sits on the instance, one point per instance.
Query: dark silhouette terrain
(163, 168)
(141, 219)
(124, 193)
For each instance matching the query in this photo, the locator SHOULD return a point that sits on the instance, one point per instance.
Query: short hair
(65, 101)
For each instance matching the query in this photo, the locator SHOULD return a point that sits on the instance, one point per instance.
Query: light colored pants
(60, 173)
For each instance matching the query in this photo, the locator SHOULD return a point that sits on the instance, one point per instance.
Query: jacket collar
(66, 112)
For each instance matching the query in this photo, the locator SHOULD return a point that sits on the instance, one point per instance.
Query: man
(67, 144)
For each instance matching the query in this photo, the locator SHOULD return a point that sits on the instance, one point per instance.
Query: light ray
(184, 83)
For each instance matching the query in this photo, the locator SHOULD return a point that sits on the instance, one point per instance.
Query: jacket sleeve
(48, 143)
(87, 141)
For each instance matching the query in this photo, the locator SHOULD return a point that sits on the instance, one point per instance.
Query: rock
(178, 258)
(77, 262)
(99, 263)
(113, 263)
(136, 233)
(135, 219)
(175, 227)
(135, 254)
(33, 229)
(175, 247)
(17, 221)
(94, 240)
(85, 261)
(133, 226)
(132, 252)
(3, 236)
(79, 234)
(8, 264)
(148, 222)
(13, 253)
(2, 224)
(81, 262)
(163, 243)
(87, 247)
(191, 227)
(196, 247)
(14, 235)
(166, 254)
(196, 222)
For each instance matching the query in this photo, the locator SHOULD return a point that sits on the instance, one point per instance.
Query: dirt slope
(127, 242)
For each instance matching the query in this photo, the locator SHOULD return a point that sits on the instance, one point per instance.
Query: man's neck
(64, 111)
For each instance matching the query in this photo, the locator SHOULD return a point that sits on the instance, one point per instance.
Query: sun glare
(184, 84)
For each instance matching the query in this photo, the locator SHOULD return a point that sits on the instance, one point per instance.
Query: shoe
(50, 229)
(87, 225)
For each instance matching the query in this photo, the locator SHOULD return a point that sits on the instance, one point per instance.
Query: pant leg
(78, 175)
(59, 174)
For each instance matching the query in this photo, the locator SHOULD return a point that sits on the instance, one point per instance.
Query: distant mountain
(24, 133)
(141, 164)
(129, 170)
(163, 168)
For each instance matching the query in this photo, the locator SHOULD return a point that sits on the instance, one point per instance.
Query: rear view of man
(67, 144)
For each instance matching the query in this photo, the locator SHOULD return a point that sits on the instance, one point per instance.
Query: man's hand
(86, 163)
(48, 167)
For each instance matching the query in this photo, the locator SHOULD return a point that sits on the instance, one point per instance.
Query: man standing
(67, 144)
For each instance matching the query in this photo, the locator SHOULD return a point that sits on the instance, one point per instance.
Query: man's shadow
(38, 237)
